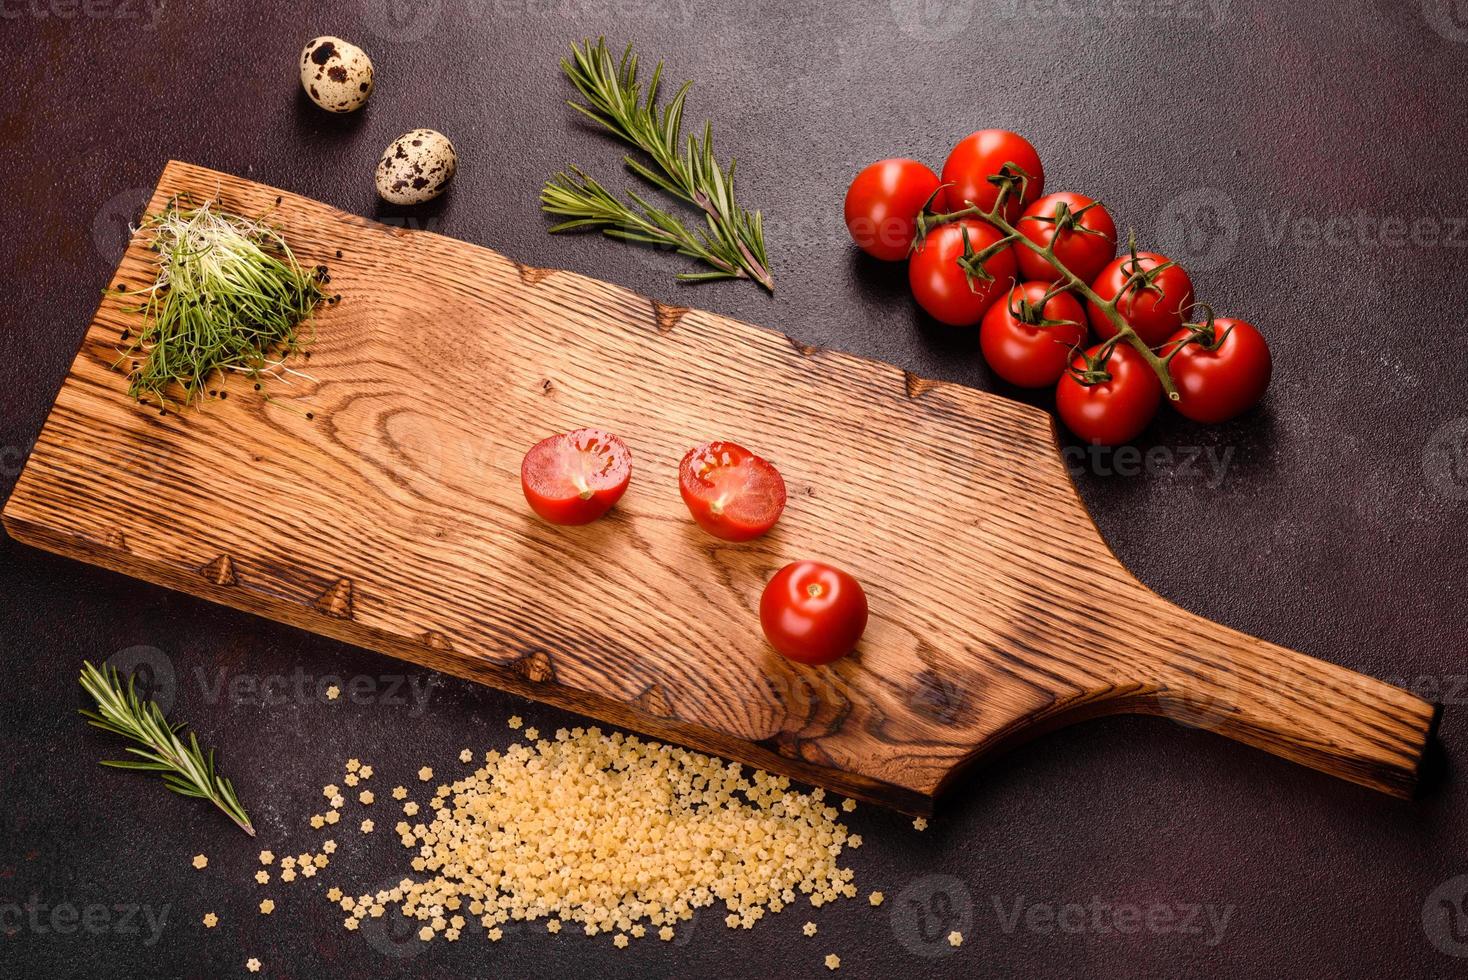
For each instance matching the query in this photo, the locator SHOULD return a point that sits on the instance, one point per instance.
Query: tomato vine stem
(995, 216)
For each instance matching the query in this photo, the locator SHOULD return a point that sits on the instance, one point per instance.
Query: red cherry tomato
(882, 205)
(1154, 315)
(1084, 245)
(731, 493)
(1216, 385)
(1027, 355)
(577, 477)
(1115, 410)
(939, 283)
(812, 612)
(978, 157)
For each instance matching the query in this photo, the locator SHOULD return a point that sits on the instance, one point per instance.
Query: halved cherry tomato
(1085, 237)
(939, 283)
(979, 156)
(1154, 311)
(1215, 385)
(1115, 410)
(731, 493)
(1028, 354)
(812, 612)
(882, 205)
(577, 477)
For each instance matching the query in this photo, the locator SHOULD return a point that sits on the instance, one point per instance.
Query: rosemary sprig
(734, 241)
(229, 295)
(185, 768)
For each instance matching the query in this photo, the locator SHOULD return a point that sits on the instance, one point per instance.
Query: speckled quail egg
(416, 167)
(336, 74)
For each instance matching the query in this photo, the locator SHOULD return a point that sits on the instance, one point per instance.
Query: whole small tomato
(1028, 339)
(1217, 382)
(576, 477)
(1118, 406)
(1083, 232)
(1154, 309)
(940, 284)
(978, 157)
(813, 613)
(882, 206)
(731, 493)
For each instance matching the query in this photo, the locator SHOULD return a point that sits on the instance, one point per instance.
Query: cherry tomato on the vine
(1114, 410)
(979, 156)
(576, 477)
(1154, 311)
(941, 286)
(812, 612)
(731, 493)
(1027, 355)
(882, 205)
(1084, 245)
(1216, 385)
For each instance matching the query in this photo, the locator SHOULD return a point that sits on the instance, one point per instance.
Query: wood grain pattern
(392, 518)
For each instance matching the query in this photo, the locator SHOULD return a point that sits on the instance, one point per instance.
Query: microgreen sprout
(229, 296)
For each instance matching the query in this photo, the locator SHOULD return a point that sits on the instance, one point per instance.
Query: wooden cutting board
(391, 517)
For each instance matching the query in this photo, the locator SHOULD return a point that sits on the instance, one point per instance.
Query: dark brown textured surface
(1335, 528)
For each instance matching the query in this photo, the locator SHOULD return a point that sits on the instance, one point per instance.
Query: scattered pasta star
(210, 920)
(466, 756)
(426, 933)
(353, 765)
(330, 790)
(666, 933)
(833, 961)
(410, 808)
(266, 907)
(332, 816)
(854, 841)
(334, 894)
(201, 862)
(553, 926)
(263, 877)
(876, 898)
(328, 847)
(266, 857)
(532, 734)
(288, 875)
(809, 928)
(955, 938)
(848, 805)
(620, 940)
(425, 774)
(920, 823)
(308, 871)
(366, 797)
(399, 792)
(365, 772)
(366, 826)
(253, 965)
(333, 692)
(350, 779)
(496, 934)
(338, 801)
(317, 821)
(515, 721)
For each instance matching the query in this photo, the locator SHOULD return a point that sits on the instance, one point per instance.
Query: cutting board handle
(1302, 709)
